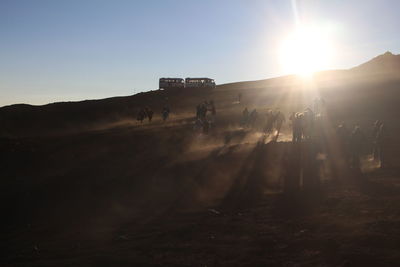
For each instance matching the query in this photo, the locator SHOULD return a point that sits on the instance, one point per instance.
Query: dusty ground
(161, 194)
(117, 193)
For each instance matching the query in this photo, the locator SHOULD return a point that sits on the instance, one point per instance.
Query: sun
(305, 51)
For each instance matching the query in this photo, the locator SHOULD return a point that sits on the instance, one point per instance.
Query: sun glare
(305, 51)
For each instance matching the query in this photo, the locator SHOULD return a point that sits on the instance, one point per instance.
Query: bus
(168, 83)
(199, 82)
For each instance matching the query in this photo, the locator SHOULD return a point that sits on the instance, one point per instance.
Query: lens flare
(305, 51)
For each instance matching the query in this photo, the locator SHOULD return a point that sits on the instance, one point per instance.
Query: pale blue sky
(84, 49)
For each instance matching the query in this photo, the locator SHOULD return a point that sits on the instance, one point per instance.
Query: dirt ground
(162, 194)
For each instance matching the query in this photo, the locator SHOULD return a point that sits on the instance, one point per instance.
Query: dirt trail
(164, 195)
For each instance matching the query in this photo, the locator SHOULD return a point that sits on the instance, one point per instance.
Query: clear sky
(84, 49)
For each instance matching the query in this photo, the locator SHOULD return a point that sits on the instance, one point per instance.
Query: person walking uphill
(297, 125)
(375, 130)
(141, 115)
(357, 144)
(269, 125)
(380, 145)
(149, 113)
(213, 111)
(279, 120)
(253, 117)
(165, 113)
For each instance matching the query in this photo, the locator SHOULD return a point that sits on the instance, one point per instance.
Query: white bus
(168, 83)
(199, 82)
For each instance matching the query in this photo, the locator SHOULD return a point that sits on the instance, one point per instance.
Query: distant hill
(384, 63)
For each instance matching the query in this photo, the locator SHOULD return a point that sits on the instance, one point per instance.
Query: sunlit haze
(307, 50)
(200, 132)
(74, 50)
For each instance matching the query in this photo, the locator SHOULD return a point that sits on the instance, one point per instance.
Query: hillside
(19, 120)
(85, 184)
(386, 62)
(52, 118)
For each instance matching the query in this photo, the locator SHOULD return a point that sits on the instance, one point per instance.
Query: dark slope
(55, 118)
(150, 195)
(27, 119)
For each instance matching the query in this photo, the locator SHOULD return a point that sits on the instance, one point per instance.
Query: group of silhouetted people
(249, 119)
(310, 129)
(205, 115)
(274, 121)
(351, 144)
(145, 113)
(268, 123)
(354, 143)
(207, 107)
(148, 113)
(302, 125)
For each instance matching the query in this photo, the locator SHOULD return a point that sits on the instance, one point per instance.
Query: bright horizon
(54, 51)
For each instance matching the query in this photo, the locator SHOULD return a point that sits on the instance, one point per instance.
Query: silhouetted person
(212, 108)
(343, 135)
(319, 134)
(213, 111)
(319, 104)
(198, 111)
(149, 113)
(357, 144)
(374, 135)
(202, 110)
(308, 123)
(253, 117)
(165, 113)
(279, 120)
(375, 129)
(292, 116)
(240, 98)
(269, 125)
(141, 115)
(297, 127)
(380, 144)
